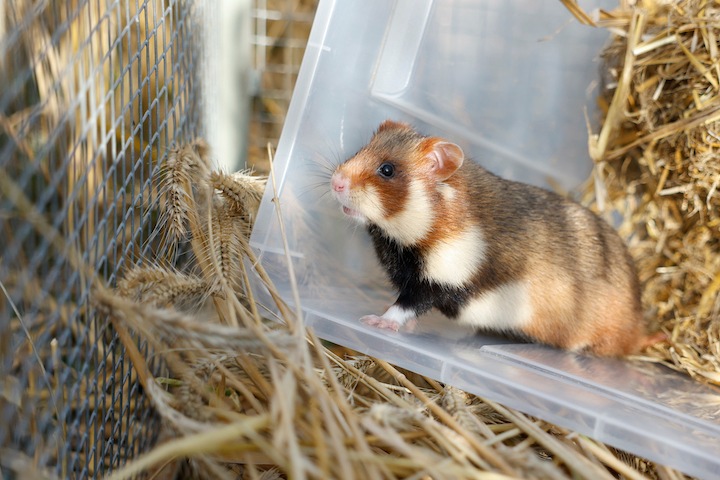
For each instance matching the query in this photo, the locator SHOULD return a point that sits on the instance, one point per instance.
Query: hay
(656, 165)
(252, 394)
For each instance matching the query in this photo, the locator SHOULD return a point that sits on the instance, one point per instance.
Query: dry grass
(656, 165)
(255, 395)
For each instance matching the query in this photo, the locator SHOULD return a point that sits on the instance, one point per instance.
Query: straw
(656, 168)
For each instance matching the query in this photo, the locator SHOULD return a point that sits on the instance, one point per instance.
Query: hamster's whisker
(325, 165)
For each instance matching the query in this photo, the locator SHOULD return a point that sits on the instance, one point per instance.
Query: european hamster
(492, 253)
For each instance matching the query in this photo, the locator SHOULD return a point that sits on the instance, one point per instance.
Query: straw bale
(656, 168)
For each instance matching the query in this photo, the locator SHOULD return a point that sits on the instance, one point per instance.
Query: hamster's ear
(393, 125)
(445, 157)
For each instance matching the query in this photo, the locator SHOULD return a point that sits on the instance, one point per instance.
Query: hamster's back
(582, 283)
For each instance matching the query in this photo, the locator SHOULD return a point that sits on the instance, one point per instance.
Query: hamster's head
(391, 181)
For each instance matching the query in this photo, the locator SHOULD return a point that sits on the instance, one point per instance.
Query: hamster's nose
(339, 182)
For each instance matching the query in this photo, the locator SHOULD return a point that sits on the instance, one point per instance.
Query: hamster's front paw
(393, 319)
(381, 322)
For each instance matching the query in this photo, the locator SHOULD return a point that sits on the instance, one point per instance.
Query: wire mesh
(281, 29)
(91, 95)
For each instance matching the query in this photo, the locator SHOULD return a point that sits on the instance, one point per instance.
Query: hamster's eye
(386, 170)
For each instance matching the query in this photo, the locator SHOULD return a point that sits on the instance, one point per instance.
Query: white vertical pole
(226, 82)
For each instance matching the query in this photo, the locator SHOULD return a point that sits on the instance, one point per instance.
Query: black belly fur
(404, 266)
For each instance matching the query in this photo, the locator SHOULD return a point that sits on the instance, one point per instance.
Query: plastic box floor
(512, 83)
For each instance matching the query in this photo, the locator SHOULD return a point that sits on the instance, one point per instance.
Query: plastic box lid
(511, 82)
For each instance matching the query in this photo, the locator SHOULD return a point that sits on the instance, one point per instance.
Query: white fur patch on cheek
(367, 202)
(506, 308)
(456, 260)
(414, 221)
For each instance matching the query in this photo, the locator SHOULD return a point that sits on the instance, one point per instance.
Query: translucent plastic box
(510, 82)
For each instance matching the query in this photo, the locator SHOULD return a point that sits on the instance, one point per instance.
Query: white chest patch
(415, 220)
(456, 260)
(506, 308)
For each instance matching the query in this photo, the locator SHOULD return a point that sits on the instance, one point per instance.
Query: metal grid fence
(281, 30)
(91, 95)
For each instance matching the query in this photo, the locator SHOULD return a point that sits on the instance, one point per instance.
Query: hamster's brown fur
(491, 252)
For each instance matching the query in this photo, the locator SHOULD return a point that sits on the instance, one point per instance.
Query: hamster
(491, 253)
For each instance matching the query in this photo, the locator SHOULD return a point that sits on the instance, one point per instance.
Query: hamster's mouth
(353, 213)
(344, 201)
